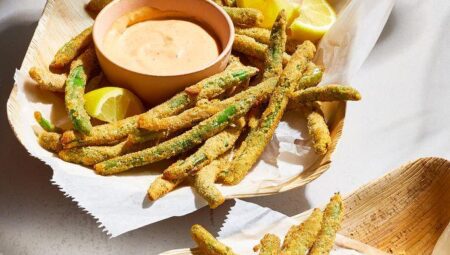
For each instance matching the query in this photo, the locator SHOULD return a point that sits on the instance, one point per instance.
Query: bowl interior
(204, 12)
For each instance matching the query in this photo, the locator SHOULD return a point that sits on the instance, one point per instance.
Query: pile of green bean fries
(314, 236)
(216, 128)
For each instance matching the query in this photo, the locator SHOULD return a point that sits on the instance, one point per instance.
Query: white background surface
(404, 115)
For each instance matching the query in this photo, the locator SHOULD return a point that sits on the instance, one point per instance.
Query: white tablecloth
(404, 115)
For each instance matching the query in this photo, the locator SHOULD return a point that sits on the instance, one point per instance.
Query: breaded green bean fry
(230, 3)
(96, 82)
(246, 17)
(300, 239)
(273, 61)
(257, 139)
(47, 80)
(106, 134)
(72, 49)
(161, 187)
(74, 99)
(205, 89)
(254, 116)
(317, 128)
(331, 223)
(312, 77)
(291, 45)
(185, 119)
(96, 6)
(113, 133)
(179, 144)
(326, 93)
(269, 245)
(217, 84)
(191, 116)
(207, 244)
(248, 46)
(91, 155)
(75, 85)
(50, 141)
(142, 136)
(211, 149)
(204, 181)
(262, 35)
(45, 124)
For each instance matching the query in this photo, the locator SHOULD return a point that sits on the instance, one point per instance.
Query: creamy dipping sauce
(161, 46)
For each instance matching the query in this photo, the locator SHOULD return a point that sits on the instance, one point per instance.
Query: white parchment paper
(119, 203)
(443, 244)
(247, 223)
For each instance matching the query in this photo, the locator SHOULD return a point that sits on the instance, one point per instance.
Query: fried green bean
(332, 92)
(230, 3)
(161, 187)
(96, 82)
(87, 59)
(256, 62)
(185, 119)
(48, 81)
(217, 84)
(142, 136)
(211, 149)
(45, 124)
(74, 94)
(248, 46)
(257, 139)
(273, 60)
(75, 101)
(91, 155)
(207, 244)
(246, 17)
(219, 2)
(254, 116)
(317, 128)
(269, 245)
(96, 6)
(205, 89)
(191, 116)
(312, 77)
(72, 49)
(291, 45)
(300, 239)
(262, 35)
(113, 133)
(204, 180)
(106, 134)
(179, 144)
(331, 223)
(50, 141)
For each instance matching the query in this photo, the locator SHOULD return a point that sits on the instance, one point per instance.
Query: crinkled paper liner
(111, 200)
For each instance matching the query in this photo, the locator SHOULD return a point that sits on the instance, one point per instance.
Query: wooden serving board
(404, 212)
(62, 20)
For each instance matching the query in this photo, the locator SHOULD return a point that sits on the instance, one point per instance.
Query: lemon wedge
(111, 104)
(315, 19)
(270, 9)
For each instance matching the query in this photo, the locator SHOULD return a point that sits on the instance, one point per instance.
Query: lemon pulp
(315, 19)
(111, 104)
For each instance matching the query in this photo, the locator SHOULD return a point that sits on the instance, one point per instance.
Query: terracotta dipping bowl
(154, 88)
